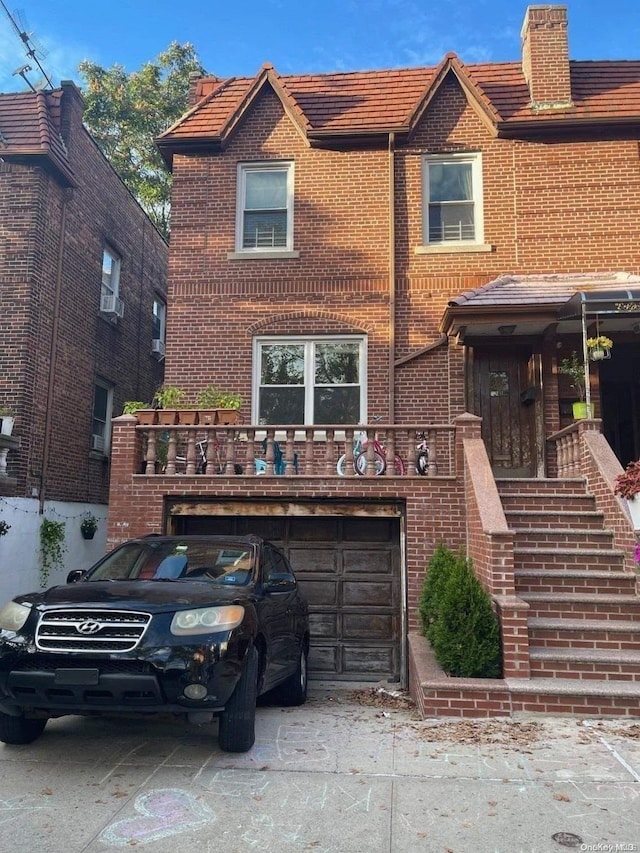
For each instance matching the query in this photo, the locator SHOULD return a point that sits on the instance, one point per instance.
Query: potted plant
(573, 367)
(143, 411)
(627, 485)
(168, 399)
(218, 407)
(6, 421)
(599, 347)
(88, 526)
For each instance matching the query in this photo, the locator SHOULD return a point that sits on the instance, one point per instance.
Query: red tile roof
(366, 102)
(30, 127)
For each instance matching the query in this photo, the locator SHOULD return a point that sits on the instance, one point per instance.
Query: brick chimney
(545, 57)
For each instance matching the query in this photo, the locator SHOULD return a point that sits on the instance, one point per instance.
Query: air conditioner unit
(97, 443)
(111, 306)
(157, 348)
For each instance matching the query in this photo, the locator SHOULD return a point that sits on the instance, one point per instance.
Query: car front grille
(91, 630)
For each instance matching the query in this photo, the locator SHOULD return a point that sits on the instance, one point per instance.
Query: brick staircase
(584, 616)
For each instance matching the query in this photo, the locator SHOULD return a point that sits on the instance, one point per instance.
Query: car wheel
(237, 722)
(293, 691)
(20, 729)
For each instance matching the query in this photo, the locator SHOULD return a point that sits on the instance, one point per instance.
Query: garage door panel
(368, 660)
(368, 529)
(367, 627)
(323, 624)
(371, 562)
(323, 660)
(314, 529)
(320, 593)
(365, 594)
(323, 560)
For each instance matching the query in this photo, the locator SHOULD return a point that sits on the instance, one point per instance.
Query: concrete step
(588, 664)
(548, 503)
(549, 486)
(603, 634)
(519, 519)
(584, 580)
(623, 608)
(536, 537)
(598, 559)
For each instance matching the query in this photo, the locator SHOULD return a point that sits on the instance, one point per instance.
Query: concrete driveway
(350, 772)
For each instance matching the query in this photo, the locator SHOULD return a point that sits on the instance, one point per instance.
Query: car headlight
(207, 620)
(13, 616)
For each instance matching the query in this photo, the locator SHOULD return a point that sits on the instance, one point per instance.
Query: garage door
(349, 570)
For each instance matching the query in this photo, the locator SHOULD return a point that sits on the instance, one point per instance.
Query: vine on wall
(52, 548)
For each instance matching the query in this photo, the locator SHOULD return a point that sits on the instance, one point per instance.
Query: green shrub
(466, 634)
(440, 565)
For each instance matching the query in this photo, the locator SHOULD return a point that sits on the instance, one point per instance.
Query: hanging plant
(52, 548)
(5, 527)
(88, 526)
(599, 347)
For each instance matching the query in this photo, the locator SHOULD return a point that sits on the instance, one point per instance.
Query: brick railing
(288, 451)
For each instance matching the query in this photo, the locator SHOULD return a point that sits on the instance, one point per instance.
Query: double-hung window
(101, 423)
(110, 273)
(452, 192)
(310, 381)
(265, 207)
(158, 320)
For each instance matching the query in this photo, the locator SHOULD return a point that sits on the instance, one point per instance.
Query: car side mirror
(281, 582)
(76, 575)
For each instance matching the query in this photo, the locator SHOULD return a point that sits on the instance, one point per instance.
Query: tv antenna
(33, 50)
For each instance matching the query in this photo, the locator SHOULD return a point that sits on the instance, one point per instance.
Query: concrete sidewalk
(350, 772)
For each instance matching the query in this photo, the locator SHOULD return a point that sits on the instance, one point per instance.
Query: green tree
(440, 566)
(126, 112)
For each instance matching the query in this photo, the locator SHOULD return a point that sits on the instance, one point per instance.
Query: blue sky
(297, 36)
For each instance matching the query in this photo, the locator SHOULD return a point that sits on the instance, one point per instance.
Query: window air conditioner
(157, 348)
(97, 443)
(112, 306)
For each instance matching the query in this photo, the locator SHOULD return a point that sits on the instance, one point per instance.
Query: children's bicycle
(361, 452)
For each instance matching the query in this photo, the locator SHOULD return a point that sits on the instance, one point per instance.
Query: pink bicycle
(361, 452)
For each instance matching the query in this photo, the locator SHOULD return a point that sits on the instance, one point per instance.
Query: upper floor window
(101, 423)
(158, 319)
(110, 273)
(306, 381)
(452, 192)
(265, 207)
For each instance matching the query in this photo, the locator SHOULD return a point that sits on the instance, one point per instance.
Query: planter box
(167, 417)
(147, 417)
(188, 417)
(228, 416)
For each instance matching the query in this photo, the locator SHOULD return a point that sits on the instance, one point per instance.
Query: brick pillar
(126, 459)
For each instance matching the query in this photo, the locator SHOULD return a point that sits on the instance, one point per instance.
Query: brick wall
(99, 209)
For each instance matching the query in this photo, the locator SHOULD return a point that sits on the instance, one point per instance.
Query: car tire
(293, 691)
(19, 730)
(236, 731)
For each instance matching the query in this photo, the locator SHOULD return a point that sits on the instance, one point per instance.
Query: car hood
(150, 595)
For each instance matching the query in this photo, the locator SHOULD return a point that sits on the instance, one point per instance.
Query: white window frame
(308, 342)
(475, 158)
(106, 432)
(110, 286)
(243, 170)
(161, 315)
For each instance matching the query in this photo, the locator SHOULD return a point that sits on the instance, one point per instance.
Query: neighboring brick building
(408, 245)
(82, 273)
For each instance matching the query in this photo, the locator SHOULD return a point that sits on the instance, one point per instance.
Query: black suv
(197, 625)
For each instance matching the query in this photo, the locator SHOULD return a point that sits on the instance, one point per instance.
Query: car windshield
(177, 560)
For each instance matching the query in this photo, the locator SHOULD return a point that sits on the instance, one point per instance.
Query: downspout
(53, 351)
(392, 281)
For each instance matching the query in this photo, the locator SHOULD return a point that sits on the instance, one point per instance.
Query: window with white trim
(110, 273)
(101, 420)
(265, 207)
(309, 381)
(158, 319)
(452, 194)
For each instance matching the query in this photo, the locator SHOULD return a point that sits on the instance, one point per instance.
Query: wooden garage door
(349, 570)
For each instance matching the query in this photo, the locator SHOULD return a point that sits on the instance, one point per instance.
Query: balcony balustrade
(290, 451)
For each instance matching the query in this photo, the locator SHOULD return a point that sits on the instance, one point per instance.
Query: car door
(278, 617)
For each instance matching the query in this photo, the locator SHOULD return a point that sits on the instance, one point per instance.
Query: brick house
(415, 250)
(82, 296)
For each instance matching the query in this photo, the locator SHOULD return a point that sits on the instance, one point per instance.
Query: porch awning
(622, 302)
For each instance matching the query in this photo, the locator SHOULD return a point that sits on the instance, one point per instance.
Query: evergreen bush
(466, 635)
(440, 565)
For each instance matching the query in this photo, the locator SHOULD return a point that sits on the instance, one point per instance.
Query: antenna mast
(31, 50)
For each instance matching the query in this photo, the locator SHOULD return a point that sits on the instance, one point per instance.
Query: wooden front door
(504, 393)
